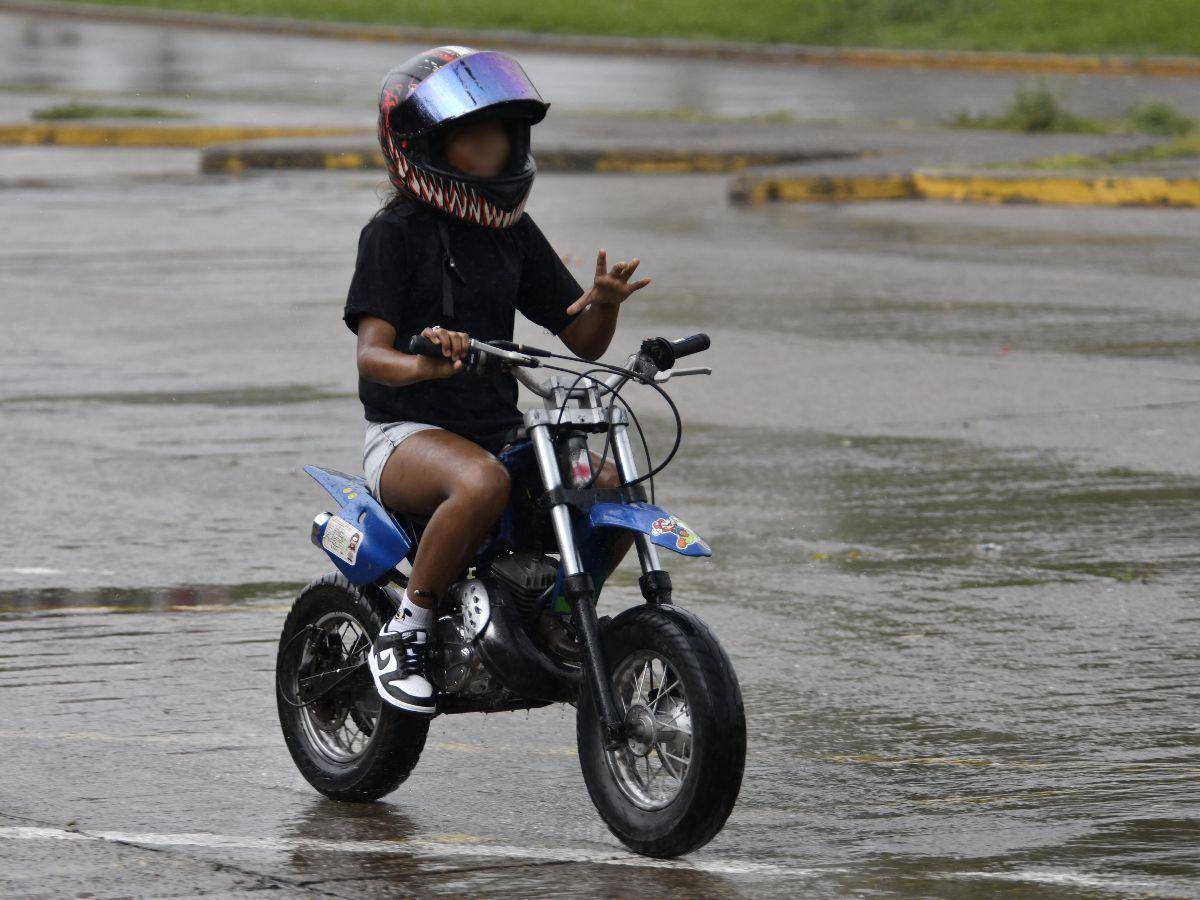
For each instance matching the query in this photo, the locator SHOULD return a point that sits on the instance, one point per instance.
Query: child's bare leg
(464, 489)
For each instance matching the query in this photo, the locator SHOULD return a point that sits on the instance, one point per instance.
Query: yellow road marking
(74, 134)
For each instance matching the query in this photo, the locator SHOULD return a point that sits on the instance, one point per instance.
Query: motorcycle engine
(457, 667)
(529, 578)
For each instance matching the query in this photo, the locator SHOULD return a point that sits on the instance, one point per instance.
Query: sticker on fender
(341, 539)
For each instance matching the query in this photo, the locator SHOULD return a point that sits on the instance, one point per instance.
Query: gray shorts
(381, 439)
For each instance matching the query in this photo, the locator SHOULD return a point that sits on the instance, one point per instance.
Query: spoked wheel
(341, 712)
(671, 783)
(651, 764)
(345, 741)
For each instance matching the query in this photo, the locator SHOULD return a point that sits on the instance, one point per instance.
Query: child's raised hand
(611, 286)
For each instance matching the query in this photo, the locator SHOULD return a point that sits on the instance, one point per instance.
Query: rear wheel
(668, 788)
(345, 741)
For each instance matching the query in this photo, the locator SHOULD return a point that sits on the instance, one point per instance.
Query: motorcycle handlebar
(419, 345)
(662, 353)
(659, 352)
(689, 345)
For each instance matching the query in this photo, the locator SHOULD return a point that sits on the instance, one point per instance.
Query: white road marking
(416, 847)
(1071, 879)
(442, 849)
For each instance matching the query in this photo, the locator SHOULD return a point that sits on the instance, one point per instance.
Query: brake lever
(520, 359)
(671, 373)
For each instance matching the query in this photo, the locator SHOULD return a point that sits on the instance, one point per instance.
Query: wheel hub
(640, 731)
(650, 763)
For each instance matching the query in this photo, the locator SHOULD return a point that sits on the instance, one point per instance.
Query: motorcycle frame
(589, 414)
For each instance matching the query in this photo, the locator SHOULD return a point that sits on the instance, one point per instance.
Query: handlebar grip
(689, 345)
(419, 345)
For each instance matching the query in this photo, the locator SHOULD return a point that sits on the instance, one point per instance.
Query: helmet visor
(466, 85)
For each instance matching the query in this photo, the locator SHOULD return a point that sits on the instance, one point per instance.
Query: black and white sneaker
(397, 664)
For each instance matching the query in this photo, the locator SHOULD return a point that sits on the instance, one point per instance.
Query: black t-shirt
(398, 277)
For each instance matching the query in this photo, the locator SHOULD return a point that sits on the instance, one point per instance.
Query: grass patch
(1033, 110)
(1068, 26)
(79, 110)
(1161, 119)
(1184, 149)
(1039, 110)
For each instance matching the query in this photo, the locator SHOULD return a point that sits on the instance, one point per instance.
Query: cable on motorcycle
(645, 443)
(615, 391)
(579, 376)
(630, 375)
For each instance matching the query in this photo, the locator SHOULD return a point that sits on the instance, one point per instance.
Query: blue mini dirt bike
(660, 726)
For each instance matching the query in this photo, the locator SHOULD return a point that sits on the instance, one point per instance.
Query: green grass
(1161, 119)
(1038, 109)
(77, 110)
(1032, 110)
(1184, 149)
(1071, 26)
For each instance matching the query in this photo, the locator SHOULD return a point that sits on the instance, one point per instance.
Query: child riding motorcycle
(451, 256)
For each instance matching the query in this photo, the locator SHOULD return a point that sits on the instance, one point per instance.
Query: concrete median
(558, 156)
(1126, 188)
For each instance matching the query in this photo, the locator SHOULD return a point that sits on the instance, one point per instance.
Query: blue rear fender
(361, 539)
(665, 529)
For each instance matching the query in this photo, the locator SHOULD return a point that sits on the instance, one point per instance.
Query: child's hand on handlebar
(454, 345)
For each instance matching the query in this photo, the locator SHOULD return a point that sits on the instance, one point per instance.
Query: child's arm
(592, 330)
(379, 361)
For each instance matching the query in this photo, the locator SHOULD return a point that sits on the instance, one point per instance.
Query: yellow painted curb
(1065, 189)
(999, 61)
(823, 188)
(969, 187)
(72, 134)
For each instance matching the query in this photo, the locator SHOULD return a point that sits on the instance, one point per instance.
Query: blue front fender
(366, 543)
(664, 529)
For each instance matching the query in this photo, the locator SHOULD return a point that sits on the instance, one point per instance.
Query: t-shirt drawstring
(448, 267)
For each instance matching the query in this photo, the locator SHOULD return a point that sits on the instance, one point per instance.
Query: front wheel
(345, 741)
(668, 788)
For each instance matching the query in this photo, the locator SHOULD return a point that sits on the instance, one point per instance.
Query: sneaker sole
(422, 710)
(429, 711)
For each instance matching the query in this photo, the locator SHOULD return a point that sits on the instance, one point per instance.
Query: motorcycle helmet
(420, 99)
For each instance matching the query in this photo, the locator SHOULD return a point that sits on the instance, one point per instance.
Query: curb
(742, 51)
(755, 190)
(1071, 189)
(235, 159)
(93, 135)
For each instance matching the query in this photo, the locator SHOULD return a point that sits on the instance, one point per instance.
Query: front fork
(578, 588)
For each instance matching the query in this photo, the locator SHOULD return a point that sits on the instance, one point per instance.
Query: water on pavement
(945, 462)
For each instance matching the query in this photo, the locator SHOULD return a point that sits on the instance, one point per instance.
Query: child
(452, 255)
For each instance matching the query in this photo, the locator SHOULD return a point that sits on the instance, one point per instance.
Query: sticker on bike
(684, 536)
(342, 539)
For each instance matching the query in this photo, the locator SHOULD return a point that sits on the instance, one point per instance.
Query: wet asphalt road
(946, 462)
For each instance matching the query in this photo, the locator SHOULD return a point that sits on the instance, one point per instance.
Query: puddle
(176, 598)
(241, 396)
(953, 513)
